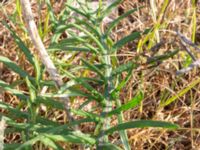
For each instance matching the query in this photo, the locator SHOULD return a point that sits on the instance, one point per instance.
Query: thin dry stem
(185, 42)
(35, 38)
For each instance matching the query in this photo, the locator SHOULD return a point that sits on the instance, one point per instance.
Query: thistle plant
(97, 77)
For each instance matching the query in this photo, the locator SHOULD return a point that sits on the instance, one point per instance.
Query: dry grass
(158, 83)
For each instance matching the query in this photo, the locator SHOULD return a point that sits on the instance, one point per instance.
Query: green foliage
(141, 124)
(98, 79)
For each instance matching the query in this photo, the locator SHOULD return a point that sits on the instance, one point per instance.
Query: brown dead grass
(154, 81)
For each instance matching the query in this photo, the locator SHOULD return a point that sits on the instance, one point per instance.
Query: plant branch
(36, 40)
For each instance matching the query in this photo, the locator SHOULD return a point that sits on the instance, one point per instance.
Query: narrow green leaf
(63, 27)
(50, 143)
(92, 80)
(79, 41)
(49, 102)
(74, 137)
(68, 48)
(108, 146)
(77, 92)
(141, 124)
(96, 40)
(11, 146)
(125, 40)
(116, 91)
(85, 104)
(90, 89)
(124, 138)
(79, 12)
(69, 41)
(32, 90)
(181, 92)
(116, 21)
(131, 104)
(30, 142)
(89, 115)
(89, 26)
(93, 68)
(110, 8)
(13, 66)
(38, 72)
(8, 88)
(124, 67)
(13, 111)
(162, 57)
(71, 92)
(22, 126)
(20, 44)
(51, 12)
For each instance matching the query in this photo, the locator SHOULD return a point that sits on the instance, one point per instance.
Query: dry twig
(185, 42)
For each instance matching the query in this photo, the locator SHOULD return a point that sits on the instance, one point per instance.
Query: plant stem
(35, 38)
(108, 89)
(123, 133)
(194, 20)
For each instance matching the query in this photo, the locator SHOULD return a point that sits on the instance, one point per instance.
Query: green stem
(123, 133)
(194, 22)
(102, 126)
(108, 89)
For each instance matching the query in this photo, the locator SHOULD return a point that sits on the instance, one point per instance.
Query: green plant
(97, 77)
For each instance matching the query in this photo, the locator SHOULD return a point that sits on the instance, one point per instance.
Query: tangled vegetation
(81, 74)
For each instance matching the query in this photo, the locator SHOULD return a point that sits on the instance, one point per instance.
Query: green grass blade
(79, 12)
(124, 67)
(13, 111)
(89, 115)
(50, 143)
(96, 40)
(21, 44)
(49, 102)
(38, 72)
(32, 91)
(51, 12)
(76, 92)
(109, 9)
(115, 92)
(75, 137)
(90, 89)
(11, 146)
(181, 93)
(125, 40)
(91, 80)
(108, 146)
(29, 143)
(13, 66)
(85, 103)
(63, 27)
(90, 27)
(71, 92)
(70, 41)
(162, 57)
(8, 88)
(131, 104)
(93, 68)
(68, 48)
(116, 21)
(141, 124)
